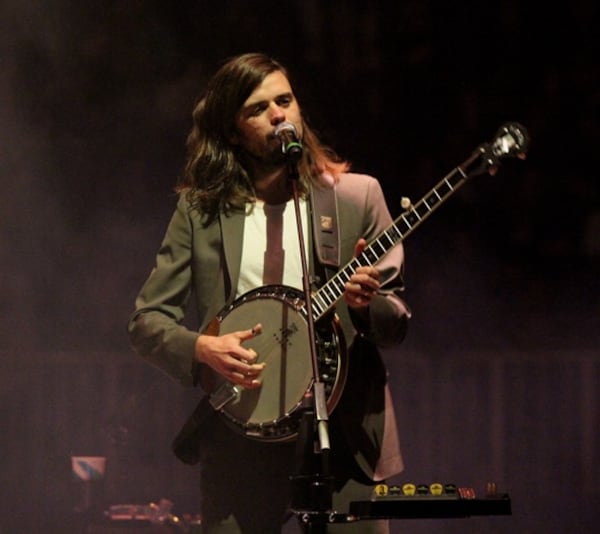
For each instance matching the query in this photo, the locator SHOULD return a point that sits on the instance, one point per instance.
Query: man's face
(270, 104)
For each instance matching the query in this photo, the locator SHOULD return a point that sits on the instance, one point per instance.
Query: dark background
(498, 377)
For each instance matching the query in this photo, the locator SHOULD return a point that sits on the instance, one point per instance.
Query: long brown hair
(214, 177)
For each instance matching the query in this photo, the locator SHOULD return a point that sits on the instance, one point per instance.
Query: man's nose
(277, 115)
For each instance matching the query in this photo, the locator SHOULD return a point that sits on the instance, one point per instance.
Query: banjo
(272, 412)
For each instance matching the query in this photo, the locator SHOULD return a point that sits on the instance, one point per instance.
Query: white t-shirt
(270, 236)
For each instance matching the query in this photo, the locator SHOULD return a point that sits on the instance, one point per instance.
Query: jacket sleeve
(388, 314)
(154, 329)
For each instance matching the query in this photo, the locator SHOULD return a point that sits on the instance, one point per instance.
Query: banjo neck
(329, 294)
(511, 140)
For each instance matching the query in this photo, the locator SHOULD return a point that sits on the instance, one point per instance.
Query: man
(234, 230)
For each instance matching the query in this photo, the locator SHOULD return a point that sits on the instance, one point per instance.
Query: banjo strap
(325, 226)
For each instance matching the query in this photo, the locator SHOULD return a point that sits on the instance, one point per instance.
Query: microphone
(290, 144)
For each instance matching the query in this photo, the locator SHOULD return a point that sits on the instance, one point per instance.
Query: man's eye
(257, 110)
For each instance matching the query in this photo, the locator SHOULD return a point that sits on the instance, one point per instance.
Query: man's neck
(273, 187)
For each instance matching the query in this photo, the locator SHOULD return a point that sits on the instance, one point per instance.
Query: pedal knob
(409, 489)
(381, 490)
(450, 489)
(395, 490)
(436, 488)
(422, 489)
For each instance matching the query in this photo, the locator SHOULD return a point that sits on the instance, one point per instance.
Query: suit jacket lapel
(232, 234)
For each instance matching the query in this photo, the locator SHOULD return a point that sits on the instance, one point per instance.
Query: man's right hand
(227, 356)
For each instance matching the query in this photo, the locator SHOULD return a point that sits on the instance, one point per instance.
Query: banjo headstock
(511, 141)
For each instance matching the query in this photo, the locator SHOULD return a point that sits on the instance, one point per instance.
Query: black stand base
(311, 501)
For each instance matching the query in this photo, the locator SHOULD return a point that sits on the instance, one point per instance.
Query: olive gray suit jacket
(203, 263)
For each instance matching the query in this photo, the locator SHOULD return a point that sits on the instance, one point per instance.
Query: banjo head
(271, 412)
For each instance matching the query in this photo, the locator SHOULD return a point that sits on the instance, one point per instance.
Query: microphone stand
(312, 485)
